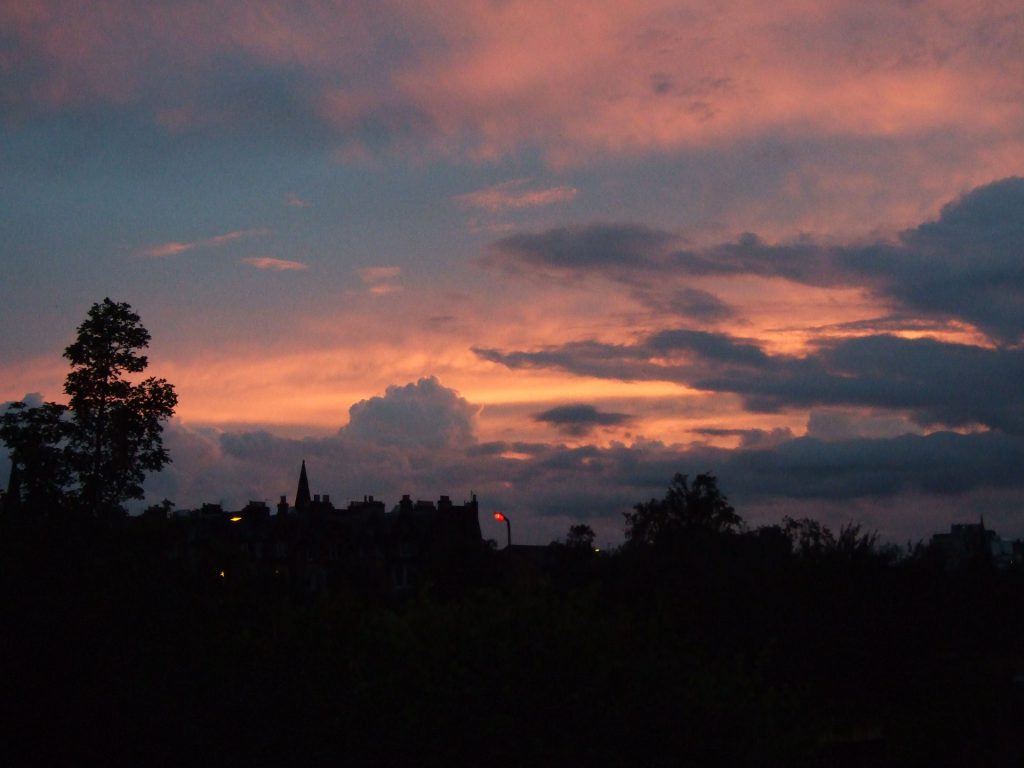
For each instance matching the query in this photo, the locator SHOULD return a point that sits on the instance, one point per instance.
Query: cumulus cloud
(580, 419)
(275, 265)
(31, 399)
(425, 414)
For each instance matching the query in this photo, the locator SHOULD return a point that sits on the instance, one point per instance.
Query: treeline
(697, 643)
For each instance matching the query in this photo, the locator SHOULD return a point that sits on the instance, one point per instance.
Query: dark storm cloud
(967, 265)
(937, 383)
(580, 419)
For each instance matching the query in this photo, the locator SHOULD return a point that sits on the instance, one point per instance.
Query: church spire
(302, 497)
(12, 498)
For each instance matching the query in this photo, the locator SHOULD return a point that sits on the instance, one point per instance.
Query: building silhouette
(313, 546)
(972, 544)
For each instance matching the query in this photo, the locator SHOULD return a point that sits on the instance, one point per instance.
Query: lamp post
(508, 526)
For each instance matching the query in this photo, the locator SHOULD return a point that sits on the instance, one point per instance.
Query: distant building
(969, 543)
(314, 546)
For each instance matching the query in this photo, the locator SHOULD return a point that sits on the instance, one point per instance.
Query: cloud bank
(965, 266)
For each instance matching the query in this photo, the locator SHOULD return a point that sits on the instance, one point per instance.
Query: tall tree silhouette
(116, 433)
(96, 449)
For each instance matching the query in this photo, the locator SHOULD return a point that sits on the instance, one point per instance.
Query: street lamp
(508, 526)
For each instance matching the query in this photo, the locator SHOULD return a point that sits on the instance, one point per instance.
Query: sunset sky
(551, 253)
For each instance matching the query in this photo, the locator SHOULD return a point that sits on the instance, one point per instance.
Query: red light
(499, 517)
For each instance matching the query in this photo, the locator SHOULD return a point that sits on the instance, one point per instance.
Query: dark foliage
(783, 646)
(687, 509)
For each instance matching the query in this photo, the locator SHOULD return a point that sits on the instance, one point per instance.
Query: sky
(547, 253)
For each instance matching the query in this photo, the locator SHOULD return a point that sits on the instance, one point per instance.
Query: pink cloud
(293, 200)
(578, 79)
(174, 248)
(579, 83)
(380, 280)
(516, 194)
(276, 265)
(653, 76)
(166, 249)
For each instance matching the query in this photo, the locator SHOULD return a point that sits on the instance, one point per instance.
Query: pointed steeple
(302, 497)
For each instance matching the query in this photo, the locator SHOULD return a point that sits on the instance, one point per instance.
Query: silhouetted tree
(37, 441)
(696, 507)
(116, 437)
(98, 448)
(811, 539)
(580, 536)
(808, 537)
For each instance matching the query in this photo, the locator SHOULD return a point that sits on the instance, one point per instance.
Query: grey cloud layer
(937, 383)
(967, 265)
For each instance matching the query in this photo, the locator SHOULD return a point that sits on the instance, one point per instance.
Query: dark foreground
(719, 651)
